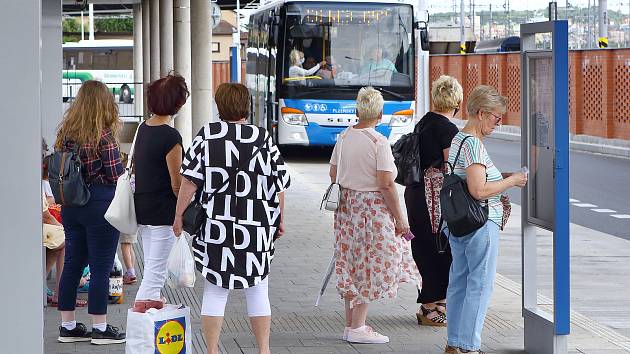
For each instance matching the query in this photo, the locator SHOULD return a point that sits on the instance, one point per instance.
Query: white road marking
(585, 205)
(603, 210)
(573, 201)
(621, 216)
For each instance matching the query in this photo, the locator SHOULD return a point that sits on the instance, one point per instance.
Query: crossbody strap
(340, 140)
(133, 146)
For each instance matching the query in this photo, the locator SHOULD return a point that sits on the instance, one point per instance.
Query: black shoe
(109, 336)
(78, 334)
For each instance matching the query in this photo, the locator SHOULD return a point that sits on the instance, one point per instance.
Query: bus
(355, 44)
(106, 60)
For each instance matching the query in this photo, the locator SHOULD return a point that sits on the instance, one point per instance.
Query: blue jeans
(471, 280)
(90, 239)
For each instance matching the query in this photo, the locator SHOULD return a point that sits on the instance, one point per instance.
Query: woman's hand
(402, 227)
(177, 225)
(518, 179)
(280, 232)
(322, 64)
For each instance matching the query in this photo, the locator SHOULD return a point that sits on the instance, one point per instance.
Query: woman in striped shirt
(475, 255)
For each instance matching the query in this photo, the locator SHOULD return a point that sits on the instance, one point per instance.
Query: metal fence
(129, 108)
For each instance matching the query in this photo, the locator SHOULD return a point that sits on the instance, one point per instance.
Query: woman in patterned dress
(242, 178)
(372, 257)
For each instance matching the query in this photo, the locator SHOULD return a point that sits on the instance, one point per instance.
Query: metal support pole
(462, 35)
(181, 20)
(82, 29)
(238, 40)
(91, 16)
(603, 24)
(146, 51)
(201, 36)
(166, 37)
(155, 39)
(138, 70)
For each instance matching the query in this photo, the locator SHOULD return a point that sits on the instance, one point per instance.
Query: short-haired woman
(475, 255)
(242, 178)
(433, 260)
(296, 70)
(157, 159)
(90, 124)
(372, 257)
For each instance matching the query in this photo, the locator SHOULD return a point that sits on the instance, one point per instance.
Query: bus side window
(84, 61)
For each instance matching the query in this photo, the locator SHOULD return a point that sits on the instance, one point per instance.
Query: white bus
(108, 60)
(355, 38)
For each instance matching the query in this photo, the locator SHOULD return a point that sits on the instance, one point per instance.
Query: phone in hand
(409, 236)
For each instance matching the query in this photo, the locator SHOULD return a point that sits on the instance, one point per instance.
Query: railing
(599, 86)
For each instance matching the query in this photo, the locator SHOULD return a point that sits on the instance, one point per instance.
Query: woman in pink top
(372, 256)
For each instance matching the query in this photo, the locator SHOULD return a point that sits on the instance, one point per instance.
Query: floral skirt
(371, 261)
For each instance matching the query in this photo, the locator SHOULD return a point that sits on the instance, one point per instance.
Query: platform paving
(298, 327)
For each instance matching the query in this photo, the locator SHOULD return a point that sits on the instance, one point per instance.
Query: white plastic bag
(159, 331)
(181, 265)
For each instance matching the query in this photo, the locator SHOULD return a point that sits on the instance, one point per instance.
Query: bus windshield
(348, 44)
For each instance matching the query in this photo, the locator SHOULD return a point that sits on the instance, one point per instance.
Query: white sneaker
(366, 335)
(345, 333)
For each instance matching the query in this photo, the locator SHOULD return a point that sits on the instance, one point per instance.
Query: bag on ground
(181, 265)
(159, 331)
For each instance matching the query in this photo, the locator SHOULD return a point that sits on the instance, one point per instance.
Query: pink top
(363, 152)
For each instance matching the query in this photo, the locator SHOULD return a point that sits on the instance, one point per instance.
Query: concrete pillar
(181, 20)
(155, 39)
(201, 36)
(603, 24)
(138, 69)
(91, 17)
(166, 37)
(52, 68)
(20, 140)
(146, 51)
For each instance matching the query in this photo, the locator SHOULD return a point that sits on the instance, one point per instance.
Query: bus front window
(330, 45)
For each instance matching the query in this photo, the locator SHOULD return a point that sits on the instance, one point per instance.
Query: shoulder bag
(65, 177)
(194, 216)
(332, 196)
(463, 213)
(121, 213)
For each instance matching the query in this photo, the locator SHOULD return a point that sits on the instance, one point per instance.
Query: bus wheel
(125, 94)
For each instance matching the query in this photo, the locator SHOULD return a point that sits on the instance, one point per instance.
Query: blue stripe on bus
(327, 136)
(341, 106)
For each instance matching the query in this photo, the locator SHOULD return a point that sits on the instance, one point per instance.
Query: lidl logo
(170, 336)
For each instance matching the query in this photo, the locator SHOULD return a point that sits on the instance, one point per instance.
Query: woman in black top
(436, 133)
(157, 158)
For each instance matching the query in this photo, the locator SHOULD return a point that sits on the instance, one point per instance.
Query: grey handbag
(332, 196)
(66, 180)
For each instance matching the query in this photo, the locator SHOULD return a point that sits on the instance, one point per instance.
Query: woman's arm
(47, 218)
(281, 227)
(333, 173)
(481, 189)
(186, 192)
(387, 187)
(173, 162)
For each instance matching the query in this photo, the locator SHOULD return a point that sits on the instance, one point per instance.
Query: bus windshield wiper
(392, 93)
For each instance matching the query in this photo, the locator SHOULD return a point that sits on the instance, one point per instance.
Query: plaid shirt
(101, 164)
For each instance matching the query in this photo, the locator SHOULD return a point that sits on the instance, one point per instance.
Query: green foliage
(70, 25)
(114, 24)
(71, 38)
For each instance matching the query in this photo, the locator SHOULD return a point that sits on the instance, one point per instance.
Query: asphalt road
(600, 185)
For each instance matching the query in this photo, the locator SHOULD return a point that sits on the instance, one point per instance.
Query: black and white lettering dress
(236, 247)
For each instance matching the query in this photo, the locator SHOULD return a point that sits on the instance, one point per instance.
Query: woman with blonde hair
(433, 258)
(372, 257)
(297, 71)
(90, 127)
(475, 255)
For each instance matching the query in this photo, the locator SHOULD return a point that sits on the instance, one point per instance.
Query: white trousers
(157, 242)
(215, 298)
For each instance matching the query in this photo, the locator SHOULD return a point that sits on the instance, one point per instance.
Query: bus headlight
(401, 118)
(293, 116)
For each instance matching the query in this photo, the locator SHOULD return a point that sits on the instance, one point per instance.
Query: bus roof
(266, 4)
(100, 43)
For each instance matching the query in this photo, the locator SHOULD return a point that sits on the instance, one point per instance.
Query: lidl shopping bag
(164, 331)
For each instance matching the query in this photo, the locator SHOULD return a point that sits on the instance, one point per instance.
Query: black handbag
(194, 217)
(407, 158)
(463, 213)
(66, 180)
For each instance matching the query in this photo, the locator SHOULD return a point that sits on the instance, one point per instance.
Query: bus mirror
(424, 35)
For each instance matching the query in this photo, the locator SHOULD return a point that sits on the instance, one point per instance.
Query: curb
(585, 143)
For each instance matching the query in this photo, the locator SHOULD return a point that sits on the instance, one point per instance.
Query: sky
(436, 6)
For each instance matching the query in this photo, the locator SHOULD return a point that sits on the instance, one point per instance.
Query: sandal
(438, 320)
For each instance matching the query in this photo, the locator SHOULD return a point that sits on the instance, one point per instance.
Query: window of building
(216, 47)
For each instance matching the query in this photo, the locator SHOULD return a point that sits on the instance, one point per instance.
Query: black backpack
(463, 213)
(66, 180)
(406, 153)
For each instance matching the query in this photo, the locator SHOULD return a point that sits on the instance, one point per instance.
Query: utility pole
(490, 23)
(462, 38)
(603, 24)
